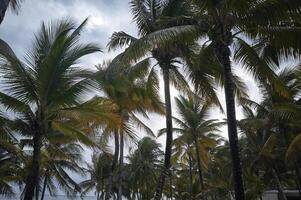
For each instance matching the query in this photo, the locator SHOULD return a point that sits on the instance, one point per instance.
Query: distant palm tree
(99, 173)
(45, 92)
(144, 164)
(5, 4)
(196, 130)
(57, 162)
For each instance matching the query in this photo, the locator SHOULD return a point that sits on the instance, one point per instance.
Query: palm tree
(229, 26)
(196, 131)
(5, 4)
(99, 175)
(132, 89)
(150, 17)
(45, 92)
(194, 125)
(144, 164)
(57, 162)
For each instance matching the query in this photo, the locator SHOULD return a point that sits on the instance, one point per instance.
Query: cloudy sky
(105, 17)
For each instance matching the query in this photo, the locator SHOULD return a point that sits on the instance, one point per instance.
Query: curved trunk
(222, 52)
(113, 167)
(120, 181)
(169, 138)
(3, 8)
(196, 144)
(32, 180)
(278, 184)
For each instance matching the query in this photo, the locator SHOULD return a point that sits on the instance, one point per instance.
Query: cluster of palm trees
(46, 116)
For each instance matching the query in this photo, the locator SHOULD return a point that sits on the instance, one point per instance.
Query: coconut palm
(194, 125)
(150, 17)
(99, 173)
(144, 164)
(133, 89)
(5, 4)
(57, 162)
(45, 91)
(229, 25)
(196, 131)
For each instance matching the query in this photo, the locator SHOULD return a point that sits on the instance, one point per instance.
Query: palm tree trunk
(190, 176)
(222, 52)
(170, 186)
(169, 137)
(278, 184)
(44, 185)
(119, 197)
(114, 163)
(298, 177)
(198, 161)
(3, 8)
(33, 177)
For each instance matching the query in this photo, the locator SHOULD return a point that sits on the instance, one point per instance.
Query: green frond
(258, 67)
(142, 46)
(293, 149)
(120, 40)
(74, 133)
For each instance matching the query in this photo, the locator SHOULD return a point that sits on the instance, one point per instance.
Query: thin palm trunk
(190, 176)
(170, 186)
(222, 52)
(33, 177)
(120, 181)
(198, 161)
(3, 8)
(113, 166)
(44, 186)
(279, 185)
(169, 137)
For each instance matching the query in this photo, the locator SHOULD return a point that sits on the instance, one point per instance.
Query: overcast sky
(105, 17)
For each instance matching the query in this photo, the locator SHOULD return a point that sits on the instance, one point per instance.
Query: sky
(105, 17)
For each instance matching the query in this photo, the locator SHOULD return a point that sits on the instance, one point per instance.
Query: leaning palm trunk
(44, 185)
(32, 180)
(222, 52)
(120, 181)
(278, 184)
(169, 138)
(113, 167)
(3, 8)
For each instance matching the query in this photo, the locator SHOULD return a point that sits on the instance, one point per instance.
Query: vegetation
(47, 119)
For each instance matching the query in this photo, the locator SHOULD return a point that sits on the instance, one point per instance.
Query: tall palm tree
(133, 89)
(5, 4)
(229, 25)
(150, 17)
(45, 91)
